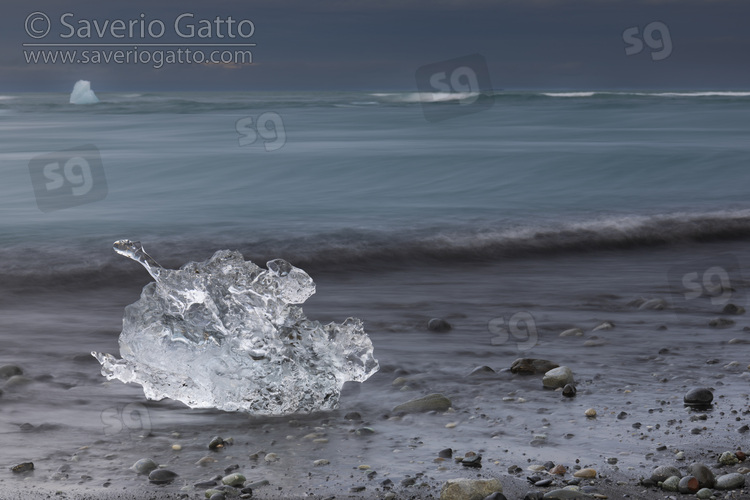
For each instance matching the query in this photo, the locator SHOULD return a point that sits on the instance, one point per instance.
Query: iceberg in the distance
(82, 93)
(227, 334)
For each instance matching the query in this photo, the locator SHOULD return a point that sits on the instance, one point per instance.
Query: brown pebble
(558, 469)
(23, 467)
(585, 473)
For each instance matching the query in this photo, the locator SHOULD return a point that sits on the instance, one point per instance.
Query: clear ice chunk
(228, 334)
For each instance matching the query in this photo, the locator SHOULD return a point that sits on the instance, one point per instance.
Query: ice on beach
(228, 334)
(82, 93)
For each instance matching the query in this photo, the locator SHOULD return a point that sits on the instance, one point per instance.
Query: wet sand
(634, 375)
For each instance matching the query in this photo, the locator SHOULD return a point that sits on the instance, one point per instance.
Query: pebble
(558, 470)
(532, 366)
(591, 413)
(496, 496)
(688, 484)
(205, 461)
(431, 402)
(569, 391)
(483, 370)
(572, 332)
(17, 381)
(474, 461)
(357, 489)
(662, 472)
(8, 371)
(205, 484)
(543, 482)
(698, 396)
(704, 493)
(438, 325)
(721, 323)
(733, 309)
(671, 483)
(654, 305)
(271, 457)
(408, 481)
(234, 480)
(216, 443)
(451, 425)
(257, 484)
(680, 455)
(353, 415)
(320, 462)
(162, 476)
(558, 377)
(462, 489)
(144, 466)
(728, 458)
(218, 496)
(607, 325)
(176, 447)
(398, 381)
(23, 467)
(446, 453)
(730, 481)
(585, 473)
(363, 431)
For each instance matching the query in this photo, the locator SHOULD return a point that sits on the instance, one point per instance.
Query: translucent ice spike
(134, 250)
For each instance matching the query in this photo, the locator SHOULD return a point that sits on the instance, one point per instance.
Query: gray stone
(730, 481)
(234, 479)
(17, 381)
(481, 371)
(703, 474)
(496, 496)
(728, 458)
(721, 323)
(558, 377)
(671, 483)
(733, 309)
(7, 371)
(162, 476)
(144, 466)
(662, 472)
(699, 396)
(532, 366)
(431, 402)
(469, 489)
(569, 391)
(704, 493)
(438, 325)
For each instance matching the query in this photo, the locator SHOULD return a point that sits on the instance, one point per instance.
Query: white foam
(701, 94)
(82, 93)
(7, 97)
(568, 94)
(428, 96)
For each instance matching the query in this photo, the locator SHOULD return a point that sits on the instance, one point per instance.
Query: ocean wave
(373, 251)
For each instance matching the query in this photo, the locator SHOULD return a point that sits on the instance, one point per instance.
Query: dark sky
(339, 45)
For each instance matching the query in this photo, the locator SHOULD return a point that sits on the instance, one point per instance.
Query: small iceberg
(227, 334)
(82, 93)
